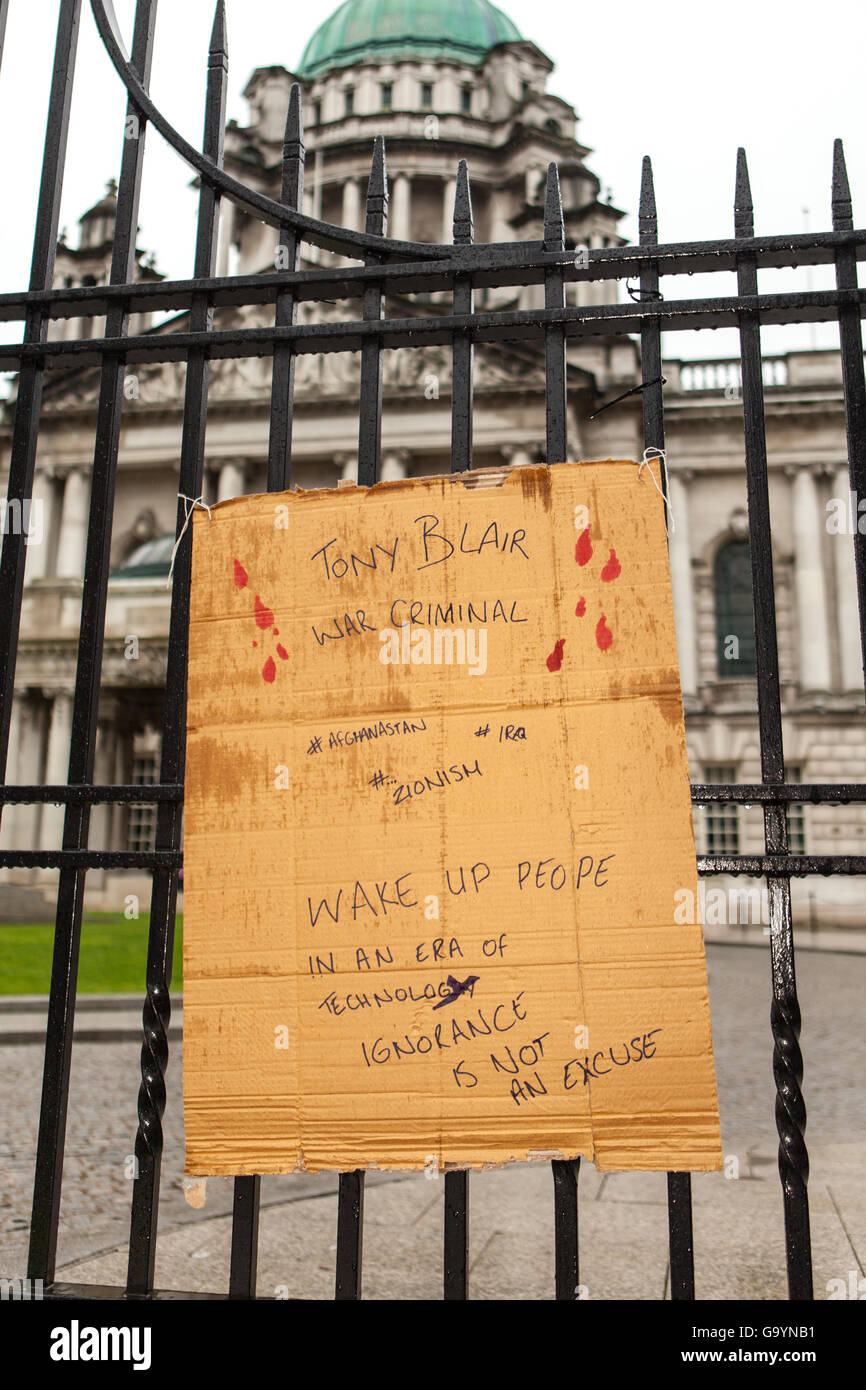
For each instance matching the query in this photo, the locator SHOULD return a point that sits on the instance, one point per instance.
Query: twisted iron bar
(155, 1017)
(791, 1127)
(790, 1107)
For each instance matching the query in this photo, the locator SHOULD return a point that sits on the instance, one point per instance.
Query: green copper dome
(385, 29)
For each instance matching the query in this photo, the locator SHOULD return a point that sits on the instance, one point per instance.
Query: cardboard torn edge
(483, 1166)
(494, 475)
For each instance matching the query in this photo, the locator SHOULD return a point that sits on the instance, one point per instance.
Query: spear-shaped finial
(377, 191)
(648, 223)
(293, 151)
(744, 220)
(554, 222)
(463, 229)
(219, 50)
(840, 198)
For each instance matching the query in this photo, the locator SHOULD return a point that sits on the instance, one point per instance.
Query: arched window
(735, 616)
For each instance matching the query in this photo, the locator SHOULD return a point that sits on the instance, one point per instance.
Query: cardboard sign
(437, 814)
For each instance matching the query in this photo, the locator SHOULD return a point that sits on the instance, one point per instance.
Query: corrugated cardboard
(429, 906)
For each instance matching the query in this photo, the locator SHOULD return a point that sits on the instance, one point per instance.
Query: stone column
(317, 184)
(401, 189)
(227, 233)
(573, 440)
(10, 813)
(28, 771)
(100, 815)
(516, 455)
(121, 774)
(17, 725)
(210, 483)
(810, 581)
(348, 466)
(232, 479)
(500, 229)
(56, 767)
(43, 525)
(449, 190)
(682, 586)
(313, 201)
(394, 465)
(847, 611)
(73, 525)
(352, 205)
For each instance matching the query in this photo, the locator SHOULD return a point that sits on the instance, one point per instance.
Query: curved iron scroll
(311, 229)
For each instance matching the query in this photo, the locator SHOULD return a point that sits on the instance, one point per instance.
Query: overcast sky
(681, 81)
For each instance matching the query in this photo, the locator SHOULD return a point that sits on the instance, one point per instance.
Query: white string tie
(658, 454)
(189, 506)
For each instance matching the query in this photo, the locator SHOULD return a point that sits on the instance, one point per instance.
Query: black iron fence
(459, 269)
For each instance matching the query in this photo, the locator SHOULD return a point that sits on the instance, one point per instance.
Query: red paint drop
(603, 634)
(581, 608)
(264, 616)
(583, 549)
(276, 632)
(240, 575)
(613, 568)
(269, 670)
(281, 652)
(554, 661)
(255, 644)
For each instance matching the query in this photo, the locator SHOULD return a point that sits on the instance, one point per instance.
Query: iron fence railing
(460, 268)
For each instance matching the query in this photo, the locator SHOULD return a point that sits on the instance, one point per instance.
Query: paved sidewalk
(739, 1236)
(98, 1018)
(847, 941)
(739, 1231)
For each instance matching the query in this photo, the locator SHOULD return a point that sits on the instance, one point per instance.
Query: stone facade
(498, 114)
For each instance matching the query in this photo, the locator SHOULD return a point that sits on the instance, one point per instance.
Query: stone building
(443, 80)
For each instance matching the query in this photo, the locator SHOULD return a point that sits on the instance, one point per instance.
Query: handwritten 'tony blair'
(436, 547)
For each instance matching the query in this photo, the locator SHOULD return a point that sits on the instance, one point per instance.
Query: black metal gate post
(785, 1010)
(160, 950)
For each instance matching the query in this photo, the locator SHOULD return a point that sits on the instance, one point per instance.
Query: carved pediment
(333, 374)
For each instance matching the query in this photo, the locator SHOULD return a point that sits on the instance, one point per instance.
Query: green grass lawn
(112, 961)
